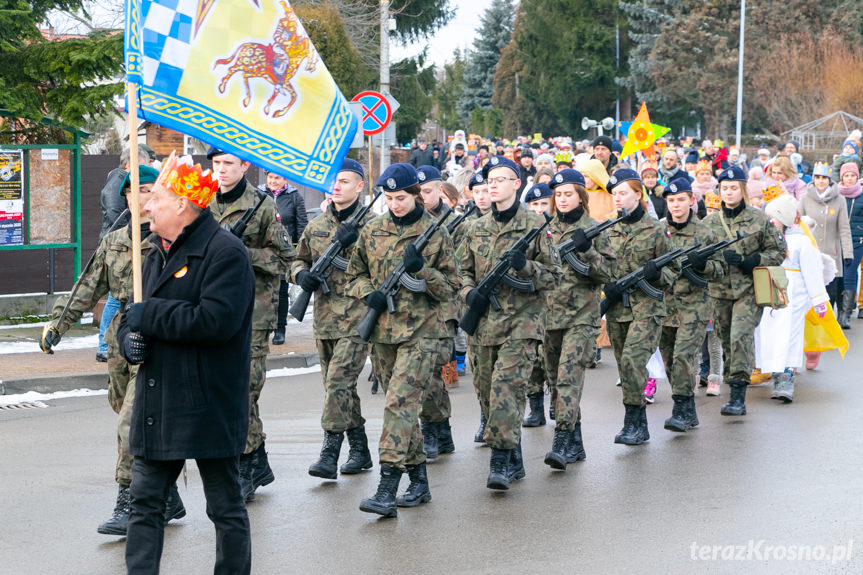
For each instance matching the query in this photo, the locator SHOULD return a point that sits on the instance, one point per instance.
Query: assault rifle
(635, 279)
(398, 278)
(567, 249)
(499, 274)
(705, 252)
(322, 267)
(469, 209)
(239, 227)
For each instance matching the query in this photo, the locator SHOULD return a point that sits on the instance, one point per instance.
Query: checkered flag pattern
(167, 33)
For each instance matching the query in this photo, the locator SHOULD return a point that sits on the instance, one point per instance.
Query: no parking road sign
(377, 111)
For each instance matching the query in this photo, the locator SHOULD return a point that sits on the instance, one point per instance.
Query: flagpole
(134, 210)
(371, 181)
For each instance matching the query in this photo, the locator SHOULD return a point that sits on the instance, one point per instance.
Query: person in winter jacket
(850, 189)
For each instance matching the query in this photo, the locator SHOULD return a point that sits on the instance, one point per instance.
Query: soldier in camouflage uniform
(634, 331)
(573, 317)
(736, 314)
(111, 270)
(689, 307)
(507, 341)
(336, 315)
(271, 253)
(407, 344)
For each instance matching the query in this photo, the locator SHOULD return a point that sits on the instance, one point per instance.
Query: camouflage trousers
(121, 398)
(537, 379)
(679, 347)
(567, 352)
(342, 360)
(634, 342)
(257, 378)
(404, 372)
(735, 322)
(500, 376)
(436, 406)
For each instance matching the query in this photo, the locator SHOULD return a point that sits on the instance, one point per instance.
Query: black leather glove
(412, 259)
(50, 338)
(580, 241)
(651, 272)
(750, 263)
(612, 291)
(347, 234)
(135, 348)
(377, 300)
(134, 314)
(476, 300)
(309, 282)
(517, 259)
(698, 262)
(732, 258)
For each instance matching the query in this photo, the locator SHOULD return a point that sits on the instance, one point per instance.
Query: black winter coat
(192, 392)
(292, 211)
(112, 203)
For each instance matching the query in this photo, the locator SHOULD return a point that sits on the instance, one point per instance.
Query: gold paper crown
(648, 165)
(712, 200)
(703, 165)
(188, 180)
(772, 192)
(563, 156)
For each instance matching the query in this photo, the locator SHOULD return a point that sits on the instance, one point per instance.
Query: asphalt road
(756, 492)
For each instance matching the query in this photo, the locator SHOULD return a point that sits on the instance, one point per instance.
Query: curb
(52, 383)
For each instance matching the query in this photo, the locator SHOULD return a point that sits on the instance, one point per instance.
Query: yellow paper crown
(712, 200)
(703, 166)
(189, 180)
(772, 192)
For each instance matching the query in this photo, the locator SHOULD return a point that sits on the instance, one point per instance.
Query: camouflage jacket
(523, 314)
(269, 249)
(634, 244)
(378, 251)
(337, 313)
(111, 270)
(685, 300)
(575, 300)
(766, 240)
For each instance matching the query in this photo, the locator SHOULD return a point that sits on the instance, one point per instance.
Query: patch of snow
(35, 396)
(85, 342)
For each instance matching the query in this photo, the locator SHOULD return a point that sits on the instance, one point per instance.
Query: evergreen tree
(413, 86)
(449, 89)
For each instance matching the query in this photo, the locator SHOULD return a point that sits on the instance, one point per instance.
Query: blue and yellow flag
(243, 76)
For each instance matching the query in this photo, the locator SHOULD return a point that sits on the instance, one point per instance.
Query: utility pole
(617, 73)
(385, 72)
(740, 74)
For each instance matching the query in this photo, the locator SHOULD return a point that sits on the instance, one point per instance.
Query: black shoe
(262, 473)
(101, 357)
(633, 432)
(418, 491)
(374, 379)
(516, 464)
(430, 441)
(119, 521)
(680, 419)
(246, 486)
(737, 404)
(174, 508)
(384, 501)
(575, 449)
(537, 411)
(848, 303)
(498, 475)
(556, 458)
(359, 457)
(279, 337)
(690, 410)
(480, 432)
(326, 466)
(444, 437)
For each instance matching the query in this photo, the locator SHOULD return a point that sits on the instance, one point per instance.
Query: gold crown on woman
(189, 180)
(772, 192)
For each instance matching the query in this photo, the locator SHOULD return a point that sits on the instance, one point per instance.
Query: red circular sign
(377, 112)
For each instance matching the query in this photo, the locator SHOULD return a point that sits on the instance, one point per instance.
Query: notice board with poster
(11, 198)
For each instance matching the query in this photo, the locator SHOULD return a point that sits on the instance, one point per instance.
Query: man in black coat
(191, 336)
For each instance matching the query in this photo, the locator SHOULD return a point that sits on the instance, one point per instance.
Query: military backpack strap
(725, 225)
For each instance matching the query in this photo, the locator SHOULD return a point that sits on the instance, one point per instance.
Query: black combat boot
(444, 437)
(848, 303)
(246, 486)
(359, 458)
(575, 449)
(480, 432)
(174, 508)
(374, 379)
(430, 441)
(634, 431)
(537, 411)
(498, 474)
(418, 491)
(680, 416)
(384, 501)
(327, 464)
(119, 520)
(262, 473)
(279, 336)
(552, 401)
(556, 458)
(690, 410)
(737, 404)
(516, 463)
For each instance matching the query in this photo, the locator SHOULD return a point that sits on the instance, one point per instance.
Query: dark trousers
(284, 304)
(151, 481)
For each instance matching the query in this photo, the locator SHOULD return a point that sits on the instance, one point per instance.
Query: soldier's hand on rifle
(347, 234)
(517, 259)
(612, 291)
(50, 338)
(697, 261)
(579, 241)
(732, 258)
(651, 272)
(413, 260)
(750, 263)
(308, 281)
(135, 348)
(377, 300)
(476, 300)
(134, 314)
